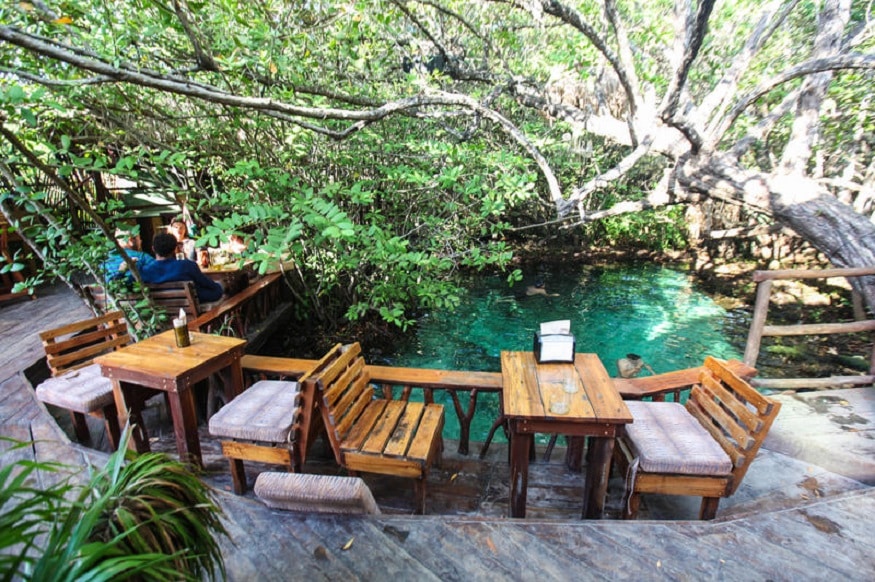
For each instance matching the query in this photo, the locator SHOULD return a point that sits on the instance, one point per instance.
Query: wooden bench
(171, 297)
(271, 421)
(388, 437)
(77, 384)
(703, 448)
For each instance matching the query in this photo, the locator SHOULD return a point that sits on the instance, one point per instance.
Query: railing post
(758, 322)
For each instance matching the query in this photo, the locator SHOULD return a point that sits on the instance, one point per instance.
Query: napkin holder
(554, 343)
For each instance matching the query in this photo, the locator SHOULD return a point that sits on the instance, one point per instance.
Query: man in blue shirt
(114, 267)
(166, 268)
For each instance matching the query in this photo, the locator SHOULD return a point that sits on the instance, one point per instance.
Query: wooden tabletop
(529, 388)
(159, 357)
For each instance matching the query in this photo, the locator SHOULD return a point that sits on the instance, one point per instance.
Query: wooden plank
(80, 325)
(645, 386)
(287, 367)
(406, 429)
(521, 397)
(776, 274)
(707, 396)
(433, 378)
(382, 430)
(818, 328)
(370, 463)
(430, 427)
(606, 402)
(735, 401)
(279, 455)
(358, 433)
(345, 418)
(337, 378)
(729, 376)
(346, 392)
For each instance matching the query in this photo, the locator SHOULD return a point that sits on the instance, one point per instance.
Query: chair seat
(320, 493)
(84, 390)
(668, 439)
(265, 412)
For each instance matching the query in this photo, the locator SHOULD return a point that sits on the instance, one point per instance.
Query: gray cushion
(264, 412)
(84, 390)
(668, 439)
(315, 493)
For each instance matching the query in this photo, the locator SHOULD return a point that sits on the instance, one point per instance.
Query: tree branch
(809, 67)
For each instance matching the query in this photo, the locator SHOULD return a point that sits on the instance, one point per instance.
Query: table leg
(520, 445)
(236, 384)
(598, 461)
(574, 453)
(129, 406)
(184, 414)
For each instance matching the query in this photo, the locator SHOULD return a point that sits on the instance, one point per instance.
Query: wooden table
(233, 279)
(156, 364)
(595, 411)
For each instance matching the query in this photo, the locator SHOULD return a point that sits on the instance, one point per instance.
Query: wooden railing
(759, 329)
(461, 385)
(251, 314)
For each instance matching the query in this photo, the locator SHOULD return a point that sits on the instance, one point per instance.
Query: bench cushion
(315, 493)
(668, 439)
(265, 412)
(84, 390)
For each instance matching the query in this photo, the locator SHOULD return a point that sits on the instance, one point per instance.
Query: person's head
(178, 229)
(164, 245)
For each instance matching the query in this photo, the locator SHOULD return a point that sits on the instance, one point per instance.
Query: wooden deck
(791, 519)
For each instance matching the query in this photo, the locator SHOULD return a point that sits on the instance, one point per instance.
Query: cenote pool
(650, 310)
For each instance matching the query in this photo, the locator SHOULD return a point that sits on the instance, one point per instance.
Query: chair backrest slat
(734, 413)
(76, 345)
(343, 390)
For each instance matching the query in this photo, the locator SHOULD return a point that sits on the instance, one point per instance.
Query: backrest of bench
(76, 345)
(733, 412)
(343, 390)
(174, 296)
(167, 296)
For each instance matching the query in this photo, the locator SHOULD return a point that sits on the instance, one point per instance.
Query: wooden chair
(657, 387)
(388, 437)
(703, 448)
(171, 297)
(77, 384)
(270, 422)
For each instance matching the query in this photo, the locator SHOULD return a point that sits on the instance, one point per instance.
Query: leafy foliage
(145, 517)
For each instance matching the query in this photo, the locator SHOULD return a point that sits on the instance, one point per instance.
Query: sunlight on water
(649, 310)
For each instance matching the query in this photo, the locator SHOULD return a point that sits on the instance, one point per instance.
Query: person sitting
(631, 366)
(115, 267)
(184, 244)
(166, 268)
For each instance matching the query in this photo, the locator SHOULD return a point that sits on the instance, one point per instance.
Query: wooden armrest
(288, 367)
(432, 378)
(637, 388)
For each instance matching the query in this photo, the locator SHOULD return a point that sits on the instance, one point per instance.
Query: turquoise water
(650, 310)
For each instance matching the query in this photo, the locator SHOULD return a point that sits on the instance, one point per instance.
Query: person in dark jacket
(166, 268)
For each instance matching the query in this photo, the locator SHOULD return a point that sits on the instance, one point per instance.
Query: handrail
(759, 329)
(252, 313)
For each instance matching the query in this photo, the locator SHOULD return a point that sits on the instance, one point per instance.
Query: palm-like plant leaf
(142, 516)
